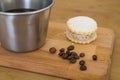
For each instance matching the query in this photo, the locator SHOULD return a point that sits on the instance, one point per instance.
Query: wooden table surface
(105, 12)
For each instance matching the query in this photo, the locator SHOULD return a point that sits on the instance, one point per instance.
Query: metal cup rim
(32, 12)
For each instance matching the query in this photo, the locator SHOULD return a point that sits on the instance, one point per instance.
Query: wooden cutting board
(41, 61)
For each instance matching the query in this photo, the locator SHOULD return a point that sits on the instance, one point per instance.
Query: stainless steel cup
(26, 31)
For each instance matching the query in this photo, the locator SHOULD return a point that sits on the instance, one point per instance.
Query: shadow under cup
(24, 24)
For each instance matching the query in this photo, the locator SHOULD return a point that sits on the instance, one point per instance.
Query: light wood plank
(41, 61)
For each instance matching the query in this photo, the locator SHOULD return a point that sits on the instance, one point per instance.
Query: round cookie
(81, 29)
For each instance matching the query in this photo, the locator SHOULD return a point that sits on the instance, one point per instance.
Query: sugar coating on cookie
(81, 29)
(82, 25)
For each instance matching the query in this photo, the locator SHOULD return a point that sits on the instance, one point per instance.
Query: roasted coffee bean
(71, 47)
(61, 53)
(76, 57)
(70, 57)
(62, 50)
(74, 54)
(94, 57)
(72, 60)
(82, 54)
(83, 68)
(67, 52)
(82, 62)
(52, 50)
(65, 56)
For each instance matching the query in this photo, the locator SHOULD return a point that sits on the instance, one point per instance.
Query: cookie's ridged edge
(82, 42)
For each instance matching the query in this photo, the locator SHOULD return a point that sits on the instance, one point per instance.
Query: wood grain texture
(41, 61)
(106, 13)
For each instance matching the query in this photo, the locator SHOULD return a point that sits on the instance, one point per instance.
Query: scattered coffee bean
(70, 54)
(82, 62)
(65, 56)
(71, 47)
(73, 53)
(76, 57)
(61, 53)
(67, 52)
(72, 60)
(52, 50)
(82, 54)
(70, 57)
(83, 68)
(94, 57)
(62, 50)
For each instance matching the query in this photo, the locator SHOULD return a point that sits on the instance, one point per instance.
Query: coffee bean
(82, 62)
(76, 57)
(70, 54)
(71, 47)
(52, 50)
(72, 60)
(65, 56)
(83, 68)
(82, 54)
(62, 50)
(94, 57)
(61, 53)
(70, 57)
(74, 53)
(67, 52)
